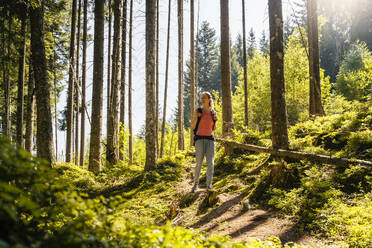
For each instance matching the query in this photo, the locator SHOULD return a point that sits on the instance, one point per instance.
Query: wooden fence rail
(298, 155)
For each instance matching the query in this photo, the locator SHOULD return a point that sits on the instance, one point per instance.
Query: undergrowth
(66, 206)
(330, 200)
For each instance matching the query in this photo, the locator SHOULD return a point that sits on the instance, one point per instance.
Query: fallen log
(298, 155)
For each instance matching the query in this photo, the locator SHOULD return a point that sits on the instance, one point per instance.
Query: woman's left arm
(215, 121)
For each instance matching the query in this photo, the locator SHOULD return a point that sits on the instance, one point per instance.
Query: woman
(204, 123)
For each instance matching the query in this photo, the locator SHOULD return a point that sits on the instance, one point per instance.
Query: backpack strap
(200, 111)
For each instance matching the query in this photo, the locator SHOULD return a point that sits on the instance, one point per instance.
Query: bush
(37, 208)
(347, 218)
(347, 134)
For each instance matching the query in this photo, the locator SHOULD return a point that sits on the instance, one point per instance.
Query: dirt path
(229, 218)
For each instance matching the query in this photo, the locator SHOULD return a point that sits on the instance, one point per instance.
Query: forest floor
(228, 217)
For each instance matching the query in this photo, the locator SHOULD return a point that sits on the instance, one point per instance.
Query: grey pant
(204, 147)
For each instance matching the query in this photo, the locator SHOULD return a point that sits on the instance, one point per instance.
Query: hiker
(204, 123)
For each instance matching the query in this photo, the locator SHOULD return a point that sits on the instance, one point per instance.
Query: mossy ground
(125, 206)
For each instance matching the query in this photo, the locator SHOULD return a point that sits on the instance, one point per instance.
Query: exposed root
(261, 166)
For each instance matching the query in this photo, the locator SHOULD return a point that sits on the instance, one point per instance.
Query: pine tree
(192, 68)
(181, 141)
(96, 125)
(77, 87)
(157, 79)
(112, 150)
(44, 134)
(227, 117)
(251, 43)
(83, 83)
(21, 78)
(108, 83)
(6, 117)
(278, 105)
(150, 84)
(315, 98)
(130, 84)
(30, 106)
(123, 72)
(166, 82)
(245, 69)
(264, 44)
(71, 76)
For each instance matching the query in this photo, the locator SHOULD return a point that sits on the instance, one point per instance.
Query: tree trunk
(112, 152)
(123, 74)
(130, 84)
(83, 83)
(44, 134)
(196, 59)
(30, 111)
(181, 141)
(77, 86)
(315, 100)
(226, 72)
(55, 101)
(166, 83)
(150, 84)
(71, 77)
(245, 68)
(171, 144)
(97, 99)
(192, 70)
(6, 118)
(278, 104)
(157, 81)
(3, 59)
(21, 79)
(108, 67)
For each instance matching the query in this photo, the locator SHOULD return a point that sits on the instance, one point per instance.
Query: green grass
(67, 206)
(125, 206)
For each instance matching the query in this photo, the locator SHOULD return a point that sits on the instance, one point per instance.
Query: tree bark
(3, 63)
(130, 84)
(77, 86)
(108, 67)
(166, 83)
(278, 104)
(71, 77)
(55, 101)
(157, 81)
(297, 155)
(30, 106)
(44, 134)
(112, 152)
(245, 68)
(171, 144)
(21, 79)
(123, 73)
(226, 71)
(96, 124)
(196, 59)
(181, 140)
(150, 84)
(315, 98)
(83, 83)
(6, 118)
(192, 69)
